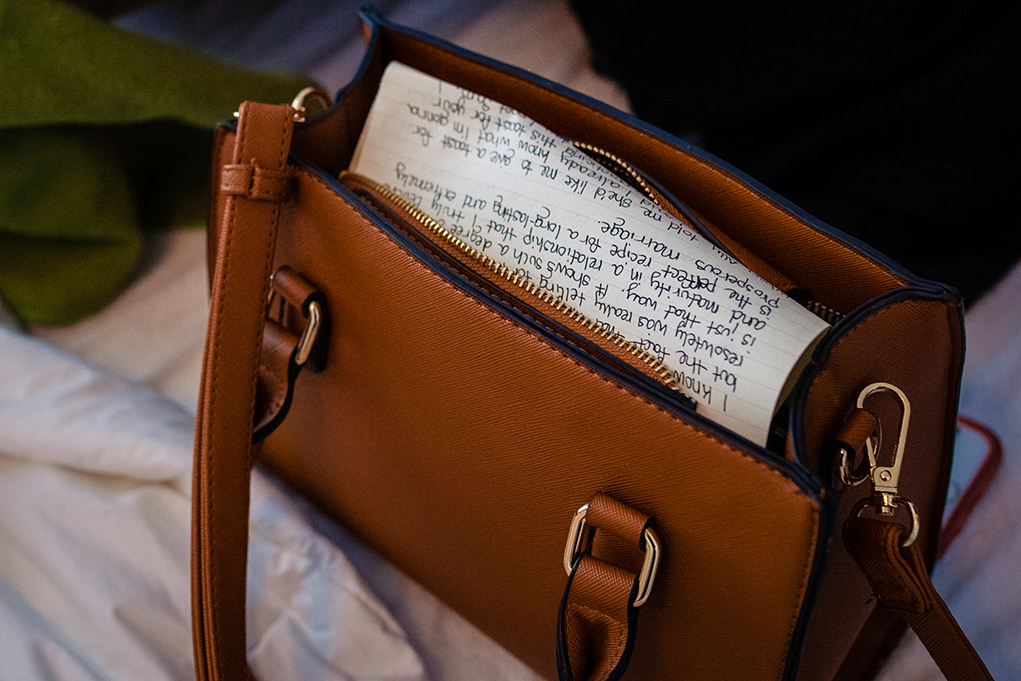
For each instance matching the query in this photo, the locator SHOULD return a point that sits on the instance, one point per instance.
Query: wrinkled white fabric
(95, 477)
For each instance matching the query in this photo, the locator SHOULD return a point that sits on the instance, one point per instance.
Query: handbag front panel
(458, 442)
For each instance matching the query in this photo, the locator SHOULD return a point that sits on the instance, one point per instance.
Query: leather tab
(277, 373)
(597, 621)
(622, 521)
(900, 580)
(857, 429)
(279, 367)
(293, 288)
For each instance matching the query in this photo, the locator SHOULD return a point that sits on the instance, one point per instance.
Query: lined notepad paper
(534, 202)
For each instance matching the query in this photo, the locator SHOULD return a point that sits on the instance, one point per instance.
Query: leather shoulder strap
(900, 581)
(252, 185)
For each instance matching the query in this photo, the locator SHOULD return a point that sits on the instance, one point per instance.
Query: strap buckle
(650, 563)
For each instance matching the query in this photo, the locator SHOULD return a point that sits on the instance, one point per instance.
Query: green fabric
(103, 133)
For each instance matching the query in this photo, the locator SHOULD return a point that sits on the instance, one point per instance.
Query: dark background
(895, 121)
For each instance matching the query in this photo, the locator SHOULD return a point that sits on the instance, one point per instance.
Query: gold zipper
(649, 361)
(619, 167)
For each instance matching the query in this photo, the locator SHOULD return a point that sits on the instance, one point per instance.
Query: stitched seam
(284, 141)
(213, 501)
(204, 422)
(807, 562)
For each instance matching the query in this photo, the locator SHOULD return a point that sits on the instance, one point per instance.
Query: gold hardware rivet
(885, 475)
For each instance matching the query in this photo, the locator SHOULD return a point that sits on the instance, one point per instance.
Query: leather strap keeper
(255, 182)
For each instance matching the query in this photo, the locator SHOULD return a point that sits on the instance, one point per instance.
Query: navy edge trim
(377, 22)
(820, 357)
(828, 504)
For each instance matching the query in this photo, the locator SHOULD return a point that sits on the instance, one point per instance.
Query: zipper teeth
(623, 166)
(501, 270)
(827, 314)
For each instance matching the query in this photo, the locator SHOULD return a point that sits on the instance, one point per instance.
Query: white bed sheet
(95, 455)
(95, 486)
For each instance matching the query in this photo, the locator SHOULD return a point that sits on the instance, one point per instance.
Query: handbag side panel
(914, 339)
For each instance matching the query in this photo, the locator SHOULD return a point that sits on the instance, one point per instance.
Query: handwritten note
(532, 201)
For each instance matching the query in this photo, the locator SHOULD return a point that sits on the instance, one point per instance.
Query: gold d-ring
(310, 102)
(650, 562)
(310, 333)
(915, 521)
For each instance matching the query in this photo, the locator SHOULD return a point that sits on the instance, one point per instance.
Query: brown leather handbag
(523, 468)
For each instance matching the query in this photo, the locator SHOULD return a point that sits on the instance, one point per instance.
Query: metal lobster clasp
(885, 475)
(885, 478)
